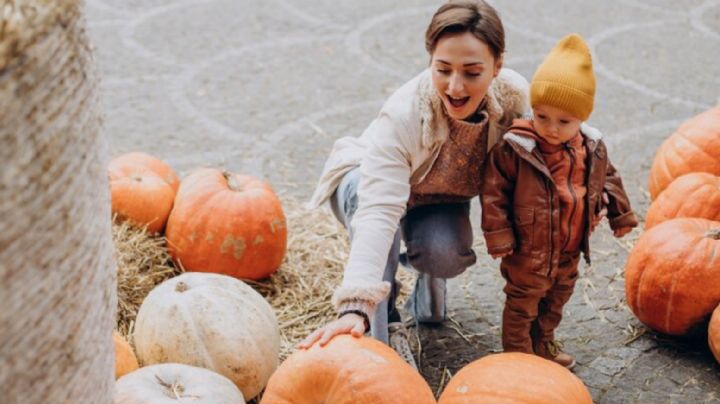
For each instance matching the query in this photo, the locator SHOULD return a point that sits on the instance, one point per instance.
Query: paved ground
(264, 87)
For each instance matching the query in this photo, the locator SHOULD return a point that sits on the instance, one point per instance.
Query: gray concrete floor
(265, 87)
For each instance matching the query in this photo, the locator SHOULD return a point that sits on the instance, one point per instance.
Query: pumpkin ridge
(691, 139)
(669, 308)
(695, 241)
(637, 302)
(713, 253)
(664, 166)
(191, 322)
(215, 300)
(203, 211)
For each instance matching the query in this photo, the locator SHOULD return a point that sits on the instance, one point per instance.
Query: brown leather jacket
(521, 205)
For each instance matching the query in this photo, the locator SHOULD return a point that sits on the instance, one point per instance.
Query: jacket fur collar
(529, 144)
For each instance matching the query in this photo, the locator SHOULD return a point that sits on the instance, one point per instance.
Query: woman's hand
(350, 323)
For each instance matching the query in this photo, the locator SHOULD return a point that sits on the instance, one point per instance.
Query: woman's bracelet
(360, 313)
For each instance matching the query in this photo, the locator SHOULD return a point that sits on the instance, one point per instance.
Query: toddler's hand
(603, 212)
(622, 231)
(501, 255)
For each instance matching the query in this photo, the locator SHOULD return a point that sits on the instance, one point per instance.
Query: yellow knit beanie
(565, 79)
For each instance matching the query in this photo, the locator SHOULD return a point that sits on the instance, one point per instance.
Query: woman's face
(462, 69)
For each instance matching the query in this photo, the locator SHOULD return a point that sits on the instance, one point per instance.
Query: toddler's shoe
(552, 350)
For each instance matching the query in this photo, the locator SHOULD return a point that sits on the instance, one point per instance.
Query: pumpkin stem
(181, 287)
(714, 233)
(232, 181)
(174, 390)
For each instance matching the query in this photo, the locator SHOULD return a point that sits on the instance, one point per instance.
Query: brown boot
(551, 350)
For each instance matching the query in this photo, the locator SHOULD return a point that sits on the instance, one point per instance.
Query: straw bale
(299, 292)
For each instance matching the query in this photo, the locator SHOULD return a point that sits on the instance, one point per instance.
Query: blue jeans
(439, 246)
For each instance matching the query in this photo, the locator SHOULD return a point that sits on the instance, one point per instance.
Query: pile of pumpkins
(205, 335)
(672, 276)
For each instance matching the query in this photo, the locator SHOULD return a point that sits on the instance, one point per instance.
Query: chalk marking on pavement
(178, 95)
(264, 146)
(622, 136)
(521, 60)
(600, 68)
(696, 15)
(307, 17)
(107, 7)
(127, 35)
(92, 24)
(529, 33)
(352, 41)
(643, 5)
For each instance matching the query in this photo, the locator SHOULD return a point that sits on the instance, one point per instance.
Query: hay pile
(299, 292)
(142, 263)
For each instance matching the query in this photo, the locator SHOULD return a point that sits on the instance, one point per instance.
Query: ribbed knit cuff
(363, 298)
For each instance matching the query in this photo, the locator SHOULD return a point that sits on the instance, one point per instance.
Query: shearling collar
(529, 144)
(434, 119)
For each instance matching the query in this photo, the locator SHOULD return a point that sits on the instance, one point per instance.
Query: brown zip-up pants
(534, 303)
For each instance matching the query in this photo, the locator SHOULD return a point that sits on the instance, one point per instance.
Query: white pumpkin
(211, 321)
(170, 383)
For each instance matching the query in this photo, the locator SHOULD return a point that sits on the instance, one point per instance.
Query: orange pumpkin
(714, 333)
(347, 370)
(695, 146)
(143, 199)
(690, 195)
(138, 161)
(227, 223)
(514, 377)
(125, 360)
(142, 190)
(672, 276)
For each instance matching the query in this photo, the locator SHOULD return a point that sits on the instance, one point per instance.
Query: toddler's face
(462, 69)
(555, 125)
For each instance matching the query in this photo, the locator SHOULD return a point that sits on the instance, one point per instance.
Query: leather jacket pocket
(524, 219)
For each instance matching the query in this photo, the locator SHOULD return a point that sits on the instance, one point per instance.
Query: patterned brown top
(456, 173)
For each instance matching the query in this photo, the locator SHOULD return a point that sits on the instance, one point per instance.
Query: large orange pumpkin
(690, 195)
(142, 190)
(515, 377)
(348, 370)
(125, 360)
(227, 223)
(132, 162)
(672, 276)
(714, 333)
(695, 146)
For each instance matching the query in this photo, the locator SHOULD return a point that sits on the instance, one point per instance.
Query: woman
(413, 172)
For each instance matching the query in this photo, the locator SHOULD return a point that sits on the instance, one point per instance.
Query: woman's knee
(440, 260)
(439, 239)
(344, 200)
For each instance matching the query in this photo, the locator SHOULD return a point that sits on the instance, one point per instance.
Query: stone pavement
(265, 87)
